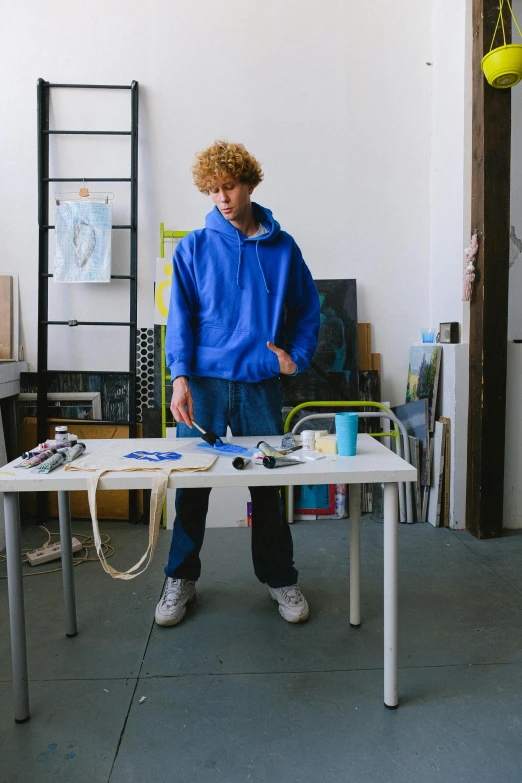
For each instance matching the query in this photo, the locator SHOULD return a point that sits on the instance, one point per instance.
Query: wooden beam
(489, 304)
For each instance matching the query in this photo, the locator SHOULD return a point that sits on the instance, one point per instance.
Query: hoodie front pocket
(235, 354)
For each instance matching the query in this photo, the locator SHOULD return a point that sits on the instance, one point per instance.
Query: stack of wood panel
(6, 317)
(369, 389)
(367, 359)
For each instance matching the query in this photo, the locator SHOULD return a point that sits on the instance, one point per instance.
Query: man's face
(231, 198)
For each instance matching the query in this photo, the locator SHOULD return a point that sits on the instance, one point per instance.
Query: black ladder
(44, 374)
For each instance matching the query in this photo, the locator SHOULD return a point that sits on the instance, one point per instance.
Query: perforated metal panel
(144, 371)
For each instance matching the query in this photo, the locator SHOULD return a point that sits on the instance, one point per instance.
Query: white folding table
(373, 464)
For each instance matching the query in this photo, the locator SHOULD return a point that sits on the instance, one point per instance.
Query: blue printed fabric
(154, 456)
(227, 449)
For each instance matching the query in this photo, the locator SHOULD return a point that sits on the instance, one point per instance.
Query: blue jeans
(248, 409)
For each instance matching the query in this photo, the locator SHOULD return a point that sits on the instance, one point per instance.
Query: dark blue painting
(333, 373)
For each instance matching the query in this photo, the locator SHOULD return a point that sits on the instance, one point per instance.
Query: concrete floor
(235, 694)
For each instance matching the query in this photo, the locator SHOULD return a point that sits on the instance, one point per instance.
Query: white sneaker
(173, 604)
(292, 603)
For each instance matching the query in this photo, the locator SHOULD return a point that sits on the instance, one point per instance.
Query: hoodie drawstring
(260, 267)
(239, 261)
(258, 261)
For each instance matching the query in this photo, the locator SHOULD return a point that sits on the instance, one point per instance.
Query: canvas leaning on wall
(423, 377)
(333, 373)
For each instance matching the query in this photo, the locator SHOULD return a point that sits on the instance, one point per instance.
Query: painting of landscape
(423, 377)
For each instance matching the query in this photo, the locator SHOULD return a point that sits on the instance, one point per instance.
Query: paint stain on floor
(46, 755)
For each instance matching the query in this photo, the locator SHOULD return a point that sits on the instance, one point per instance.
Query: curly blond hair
(224, 160)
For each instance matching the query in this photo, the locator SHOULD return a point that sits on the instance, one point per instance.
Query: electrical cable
(87, 543)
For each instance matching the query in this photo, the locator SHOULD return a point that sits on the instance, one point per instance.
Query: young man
(244, 310)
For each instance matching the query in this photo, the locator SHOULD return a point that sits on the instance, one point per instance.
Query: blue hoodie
(231, 294)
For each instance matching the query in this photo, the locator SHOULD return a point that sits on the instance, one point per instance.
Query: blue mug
(346, 426)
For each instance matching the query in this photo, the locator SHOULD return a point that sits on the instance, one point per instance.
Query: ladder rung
(125, 373)
(47, 227)
(92, 86)
(106, 421)
(85, 179)
(113, 277)
(89, 323)
(123, 422)
(86, 133)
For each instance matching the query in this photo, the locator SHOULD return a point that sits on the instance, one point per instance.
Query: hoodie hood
(216, 222)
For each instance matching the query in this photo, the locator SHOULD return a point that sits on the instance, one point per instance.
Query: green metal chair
(405, 494)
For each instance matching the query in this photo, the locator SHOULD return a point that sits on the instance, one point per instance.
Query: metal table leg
(64, 511)
(391, 596)
(16, 606)
(355, 554)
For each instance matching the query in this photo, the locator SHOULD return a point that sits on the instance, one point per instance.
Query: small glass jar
(308, 440)
(61, 433)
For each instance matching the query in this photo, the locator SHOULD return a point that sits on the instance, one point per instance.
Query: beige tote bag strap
(159, 489)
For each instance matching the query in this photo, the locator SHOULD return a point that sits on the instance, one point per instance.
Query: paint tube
(49, 444)
(268, 450)
(239, 463)
(29, 454)
(280, 462)
(75, 451)
(52, 463)
(37, 460)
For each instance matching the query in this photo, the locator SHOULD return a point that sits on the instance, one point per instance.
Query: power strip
(52, 552)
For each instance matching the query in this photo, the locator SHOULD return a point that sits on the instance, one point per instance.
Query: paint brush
(209, 437)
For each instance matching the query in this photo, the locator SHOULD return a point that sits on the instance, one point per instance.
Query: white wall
(450, 208)
(450, 169)
(332, 97)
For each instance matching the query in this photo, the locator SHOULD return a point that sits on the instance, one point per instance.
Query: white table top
(372, 464)
(10, 378)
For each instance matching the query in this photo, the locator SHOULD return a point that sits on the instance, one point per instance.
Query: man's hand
(286, 365)
(181, 400)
